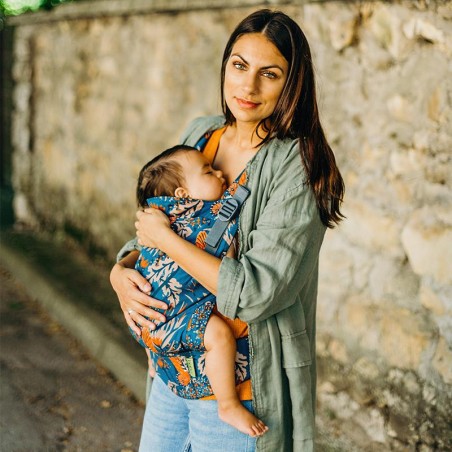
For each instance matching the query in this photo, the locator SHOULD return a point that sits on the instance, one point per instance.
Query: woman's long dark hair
(296, 113)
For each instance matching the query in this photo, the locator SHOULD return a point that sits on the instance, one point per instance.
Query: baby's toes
(258, 429)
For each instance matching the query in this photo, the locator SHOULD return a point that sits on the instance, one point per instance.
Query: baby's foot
(240, 418)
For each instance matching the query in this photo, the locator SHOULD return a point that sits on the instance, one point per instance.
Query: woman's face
(255, 75)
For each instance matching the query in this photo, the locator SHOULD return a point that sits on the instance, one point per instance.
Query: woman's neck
(244, 136)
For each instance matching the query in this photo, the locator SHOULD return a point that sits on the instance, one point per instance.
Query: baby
(182, 183)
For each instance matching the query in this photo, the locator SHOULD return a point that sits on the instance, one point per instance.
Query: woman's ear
(181, 192)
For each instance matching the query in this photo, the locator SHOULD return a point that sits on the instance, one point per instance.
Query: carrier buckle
(228, 210)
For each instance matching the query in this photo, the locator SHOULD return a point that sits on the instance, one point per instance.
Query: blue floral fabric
(177, 345)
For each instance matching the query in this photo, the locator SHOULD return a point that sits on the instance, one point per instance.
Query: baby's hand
(232, 251)
(150, 225)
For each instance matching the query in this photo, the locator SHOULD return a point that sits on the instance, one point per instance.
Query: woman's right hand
(133, 292)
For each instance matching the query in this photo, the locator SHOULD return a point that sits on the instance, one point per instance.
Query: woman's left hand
(151, 226)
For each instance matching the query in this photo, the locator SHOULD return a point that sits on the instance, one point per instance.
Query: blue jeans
(174, 424)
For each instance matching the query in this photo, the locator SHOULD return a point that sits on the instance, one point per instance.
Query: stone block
(411, 383)
(335, 268)
(445, 325)
(386, 26)
(362, 266)
(445, 10)
(338, 351)
(392, 280)
(442, 361)
(404, 337)
(367, 368)
(431, 300)
(343, 29)
(360, 320)
(427, 241)
(400, 108)
(399, 425)
(417, 28)
(373, 422)
(407, 162)
(22, 210)
(372, 229)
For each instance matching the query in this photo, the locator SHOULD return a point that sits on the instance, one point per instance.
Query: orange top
(238, 327)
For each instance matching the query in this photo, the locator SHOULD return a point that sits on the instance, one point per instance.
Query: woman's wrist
(129, 260)
(115, 274)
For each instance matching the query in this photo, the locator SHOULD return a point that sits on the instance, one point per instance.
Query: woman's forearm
(130, 259)
(196, 262)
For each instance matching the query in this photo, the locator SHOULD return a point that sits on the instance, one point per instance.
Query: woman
(271, 133)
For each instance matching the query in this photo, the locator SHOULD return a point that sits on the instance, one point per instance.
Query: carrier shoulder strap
(229, 210)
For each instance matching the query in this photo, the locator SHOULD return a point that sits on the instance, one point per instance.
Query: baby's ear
(181, 192)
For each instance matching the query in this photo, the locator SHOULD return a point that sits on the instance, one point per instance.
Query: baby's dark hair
(161, 176)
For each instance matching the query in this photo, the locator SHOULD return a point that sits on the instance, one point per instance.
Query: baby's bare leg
(220, 369)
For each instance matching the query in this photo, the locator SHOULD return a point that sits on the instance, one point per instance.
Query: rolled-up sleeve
(131, 245)
(283, 251)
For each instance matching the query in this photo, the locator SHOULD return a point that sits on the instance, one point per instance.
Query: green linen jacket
(272, 285)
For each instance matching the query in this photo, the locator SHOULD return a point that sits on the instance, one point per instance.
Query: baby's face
(201, 180)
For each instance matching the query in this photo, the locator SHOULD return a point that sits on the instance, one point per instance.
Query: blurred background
(91, 90)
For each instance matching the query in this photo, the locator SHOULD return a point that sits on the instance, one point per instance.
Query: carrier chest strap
(229, 210)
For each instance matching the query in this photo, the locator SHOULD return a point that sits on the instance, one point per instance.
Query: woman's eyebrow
(272, 66)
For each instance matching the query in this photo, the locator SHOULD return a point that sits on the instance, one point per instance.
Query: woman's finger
(143, 305)
(130, 322)
(137, 317)
(139, 281)
(139, 321)
(141, 290)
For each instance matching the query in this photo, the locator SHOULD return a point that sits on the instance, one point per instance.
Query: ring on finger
(130, 311)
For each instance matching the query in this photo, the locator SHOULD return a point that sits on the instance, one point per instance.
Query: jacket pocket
(296, 350)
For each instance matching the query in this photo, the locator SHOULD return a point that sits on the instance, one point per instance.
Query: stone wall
(97, 95)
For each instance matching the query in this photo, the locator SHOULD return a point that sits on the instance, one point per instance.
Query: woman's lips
(243, 103)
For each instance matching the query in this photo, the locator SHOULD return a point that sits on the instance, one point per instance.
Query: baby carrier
(177, 345)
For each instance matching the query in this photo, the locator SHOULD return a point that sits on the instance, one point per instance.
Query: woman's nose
(251, 83)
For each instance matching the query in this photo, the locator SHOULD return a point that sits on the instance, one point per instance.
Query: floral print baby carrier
(177, 345)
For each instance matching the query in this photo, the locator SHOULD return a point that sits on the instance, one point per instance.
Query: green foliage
(16, 7)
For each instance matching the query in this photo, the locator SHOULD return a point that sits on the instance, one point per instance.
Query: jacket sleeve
(282, 251)
(131, 245)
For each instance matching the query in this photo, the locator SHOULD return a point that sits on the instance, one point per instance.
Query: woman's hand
(133, 294)
(151, 226)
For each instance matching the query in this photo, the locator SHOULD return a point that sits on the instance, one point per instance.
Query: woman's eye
(239, 65)
(269, 74)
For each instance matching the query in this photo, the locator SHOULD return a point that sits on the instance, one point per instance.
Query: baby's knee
(218, 333)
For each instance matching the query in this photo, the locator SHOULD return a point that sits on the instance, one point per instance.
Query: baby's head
(180, 171)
